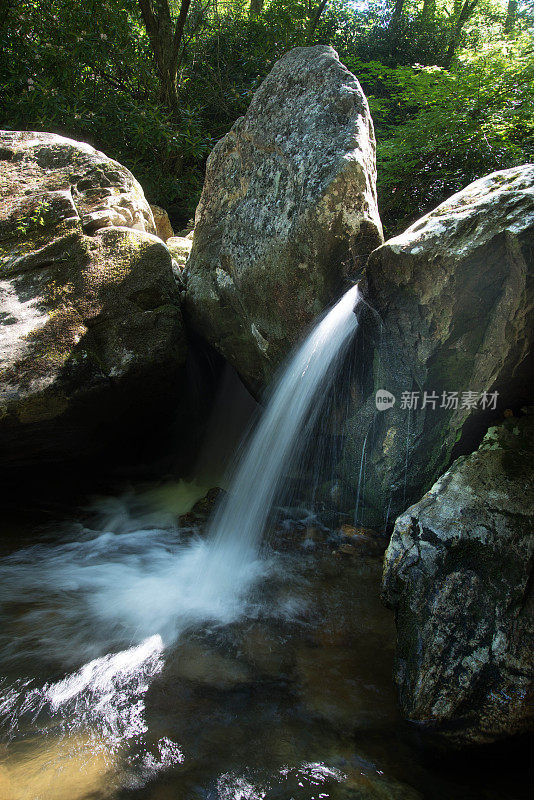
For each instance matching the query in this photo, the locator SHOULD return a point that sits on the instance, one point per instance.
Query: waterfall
(238, 523)
(130, 576)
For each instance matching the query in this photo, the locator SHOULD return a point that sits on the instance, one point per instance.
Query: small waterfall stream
(132, 576)
(239, 521)
(116, 596)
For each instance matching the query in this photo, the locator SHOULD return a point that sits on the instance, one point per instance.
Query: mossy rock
(458, 573)
(89, 309)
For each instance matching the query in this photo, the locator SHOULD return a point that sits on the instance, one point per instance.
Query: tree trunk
(466, 12)
(511, 16)
(165, 37)
(429, 10)
(397, 14)
(314, 17)
(393, 27)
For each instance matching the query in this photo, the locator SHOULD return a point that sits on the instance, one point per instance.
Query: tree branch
(180, 25)
(318, 11)
(466, 12)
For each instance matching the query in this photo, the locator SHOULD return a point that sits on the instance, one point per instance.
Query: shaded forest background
(155, 83)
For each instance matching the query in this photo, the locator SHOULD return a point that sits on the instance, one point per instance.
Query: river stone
(91, 334)
(454, 312)
(458, 573)
(287, 213)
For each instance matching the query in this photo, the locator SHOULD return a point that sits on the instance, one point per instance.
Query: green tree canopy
(155, 83)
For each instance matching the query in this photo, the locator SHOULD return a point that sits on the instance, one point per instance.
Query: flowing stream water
(238, 524)
(130, 578)
(144, 659)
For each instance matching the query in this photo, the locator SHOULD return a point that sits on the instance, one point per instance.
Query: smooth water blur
(151, 660)
(132, 575)
(239, 522)
(128, 573)
(132, 580)
(291, 698)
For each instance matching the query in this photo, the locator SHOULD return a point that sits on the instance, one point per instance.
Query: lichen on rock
(287, 214)
(88, 303)
(454, 313)
(458, 573)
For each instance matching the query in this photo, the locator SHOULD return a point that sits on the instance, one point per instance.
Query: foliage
(84, 70)
(36, 217)
(88, 70)
(439, 130)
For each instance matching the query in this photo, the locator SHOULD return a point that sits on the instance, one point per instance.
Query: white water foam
(114, 586)
(100, 709)
(133, 575)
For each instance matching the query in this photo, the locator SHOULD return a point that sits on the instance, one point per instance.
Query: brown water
(287, 696)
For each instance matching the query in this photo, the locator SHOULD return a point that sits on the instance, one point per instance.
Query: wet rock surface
(287, 213)
(92, 339)
(453, 324)
(202, 509)
(458, 573)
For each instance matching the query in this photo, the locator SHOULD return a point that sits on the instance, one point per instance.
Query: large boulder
(454, 317)
(287, 213)
(92, 344)
(459, 574)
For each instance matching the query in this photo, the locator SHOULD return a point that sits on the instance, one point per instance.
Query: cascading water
(136, 658)
(208, 581)
(147, 580)
(238, 523)
(131, 576)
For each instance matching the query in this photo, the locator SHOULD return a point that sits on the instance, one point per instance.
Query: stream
(115, 685)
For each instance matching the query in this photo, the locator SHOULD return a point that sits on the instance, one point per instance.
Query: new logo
(384, 399)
